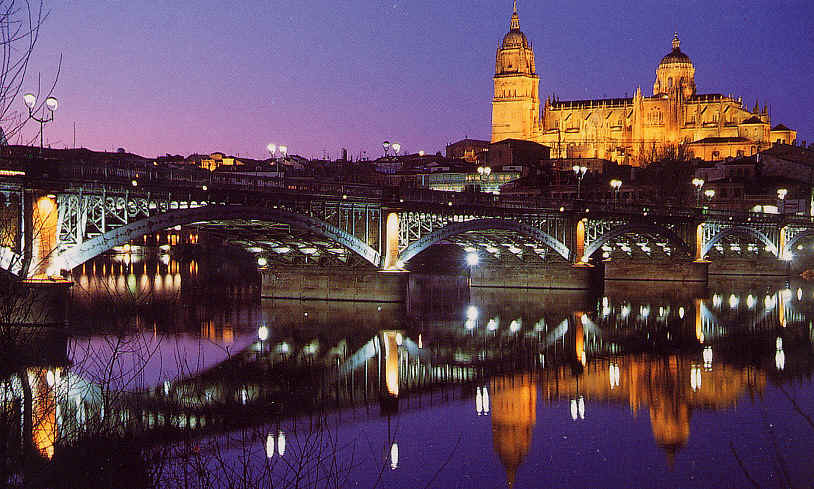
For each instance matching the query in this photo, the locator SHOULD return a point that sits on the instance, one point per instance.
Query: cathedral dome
(676, 56)
(515, 38)
(675, 73)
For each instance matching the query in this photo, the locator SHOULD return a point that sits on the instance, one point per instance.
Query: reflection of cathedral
(669, 388)
(514, 413)
(624, 129)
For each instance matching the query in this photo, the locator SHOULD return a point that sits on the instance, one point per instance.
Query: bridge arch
(76, 255)
(456, 228)
(653, 229)
(742, 231)
(790, 244)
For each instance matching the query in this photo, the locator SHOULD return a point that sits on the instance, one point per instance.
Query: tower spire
(515, 26)
(676, 41)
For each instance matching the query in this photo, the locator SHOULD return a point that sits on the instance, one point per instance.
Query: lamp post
(283, 150)
(386, 146)
(272, 148)
(579, 171)
(698, 183)
(396, 147)
(616, 185)
(781, 197)
(51, 103)
(710, 194)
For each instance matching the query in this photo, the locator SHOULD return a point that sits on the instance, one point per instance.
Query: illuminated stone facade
(631, 129)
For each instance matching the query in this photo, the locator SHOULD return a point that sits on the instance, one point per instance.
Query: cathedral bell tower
(516, 104)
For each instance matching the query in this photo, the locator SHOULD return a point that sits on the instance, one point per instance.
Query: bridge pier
(333, 284)
(742, 267)
(685, 271)
(549, 276)
(34, 302)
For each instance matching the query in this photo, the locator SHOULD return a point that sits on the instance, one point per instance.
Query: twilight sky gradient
(156, 76)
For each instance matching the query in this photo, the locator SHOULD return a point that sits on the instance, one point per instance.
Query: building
(631, 129)
(469, 150)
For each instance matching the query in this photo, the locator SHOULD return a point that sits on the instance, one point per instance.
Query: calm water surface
(627, 387)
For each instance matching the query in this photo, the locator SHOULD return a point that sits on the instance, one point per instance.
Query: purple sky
(161, 77)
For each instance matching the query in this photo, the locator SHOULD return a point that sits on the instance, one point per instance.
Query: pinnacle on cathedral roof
(676, 41)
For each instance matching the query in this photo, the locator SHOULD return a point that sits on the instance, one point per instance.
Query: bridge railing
(192, 178)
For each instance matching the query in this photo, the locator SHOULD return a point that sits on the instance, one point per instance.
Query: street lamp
(710, 194)
(396, 148)
(283, 150)
(781, 196)
(386, 146)
(579, 171)
(272, 148)
(51, 103)
(698, 183)
(616, 185)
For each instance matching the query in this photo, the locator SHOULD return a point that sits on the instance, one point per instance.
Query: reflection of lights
(695, 377)
(605, 302)
(263, 333)
(281, 443)
(786, 295)
(644, 311)
(734, 301)
(780, 355)
(49, 377)
(492, 325)
(574, 409)
(166, 388)
(716, 300)
(613, 373)
(661, 311)
(750, 301)
(472, 313)
(799, 294)
(584, 320)
(399, 339)
(469, 324)
(270, 445)
(707, 357)
(514, 327)
(625, 311)
(394, 456)
(482, 401)
(769, 302)
(284, 347)
(681, 312)
(780, 360)
(420, 342)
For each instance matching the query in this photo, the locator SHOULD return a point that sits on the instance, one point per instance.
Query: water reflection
(530, 364)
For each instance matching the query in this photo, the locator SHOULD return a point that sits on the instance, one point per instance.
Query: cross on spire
(515, 26)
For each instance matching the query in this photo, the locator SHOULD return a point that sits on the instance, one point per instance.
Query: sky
(198, 76)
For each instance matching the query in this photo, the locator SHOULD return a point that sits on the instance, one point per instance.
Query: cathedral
(627, 130)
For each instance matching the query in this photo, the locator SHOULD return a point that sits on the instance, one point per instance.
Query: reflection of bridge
(74, 213)
(580, 357)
